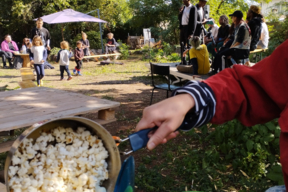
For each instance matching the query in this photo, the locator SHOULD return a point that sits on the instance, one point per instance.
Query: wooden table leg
(106, 114)
(26, 61)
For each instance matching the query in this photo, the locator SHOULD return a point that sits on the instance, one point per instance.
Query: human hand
(190, 36)
(184, 54)
(168, 115)
(181, 9)
(48, 48)
(42, 61)
(32, 62)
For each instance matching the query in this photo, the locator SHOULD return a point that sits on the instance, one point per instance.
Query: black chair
(164, 71)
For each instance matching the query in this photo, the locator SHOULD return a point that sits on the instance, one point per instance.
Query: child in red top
(252, 95)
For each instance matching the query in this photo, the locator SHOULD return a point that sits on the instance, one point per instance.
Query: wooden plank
(3, 188)
(4, 147)
(107, 114)
(258, 51)
(106, 55)
(32, 105)
(27, 74)
(26, 84)
(175, 72)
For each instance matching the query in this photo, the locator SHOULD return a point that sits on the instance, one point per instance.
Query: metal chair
(164, 71)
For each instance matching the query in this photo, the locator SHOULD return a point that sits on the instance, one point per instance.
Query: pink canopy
(70, 16)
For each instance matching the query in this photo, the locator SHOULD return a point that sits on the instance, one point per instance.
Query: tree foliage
(17, 16)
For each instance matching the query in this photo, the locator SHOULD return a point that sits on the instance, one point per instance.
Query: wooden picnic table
(179, 75)
(26, 59)
(22, 108)
(186, 76)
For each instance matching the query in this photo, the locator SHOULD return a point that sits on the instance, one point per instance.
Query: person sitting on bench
(199, 58)
(240, 47)
(255, 20)
(26, 46)
(8, 49)
(264, 38)
(111, 44)
(213, 30)
(223, 33)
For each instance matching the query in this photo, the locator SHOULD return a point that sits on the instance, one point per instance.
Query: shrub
(167, 48)
(174, 57)
(92, 36)
(124, 50)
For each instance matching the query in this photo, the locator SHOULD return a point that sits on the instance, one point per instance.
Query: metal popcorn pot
(114, 161)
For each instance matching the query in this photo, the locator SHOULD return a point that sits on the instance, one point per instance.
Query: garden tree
(17, 16)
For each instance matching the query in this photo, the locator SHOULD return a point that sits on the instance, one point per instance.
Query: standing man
(42, 32)
(200, 19)
(45, 37)
(187, 18)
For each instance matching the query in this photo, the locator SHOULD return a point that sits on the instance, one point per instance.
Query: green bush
(124, 50)
(174, 57)
(167, 48)
(55, 51)
(157, 55)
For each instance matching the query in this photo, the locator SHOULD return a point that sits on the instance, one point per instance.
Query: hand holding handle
(140, 139)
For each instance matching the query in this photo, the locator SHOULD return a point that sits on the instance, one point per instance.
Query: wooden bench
(258, 51)
(97, 56)
(27, 78)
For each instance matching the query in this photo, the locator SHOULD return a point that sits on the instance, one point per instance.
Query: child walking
(63, 58)
(38, 56)
(79, 54)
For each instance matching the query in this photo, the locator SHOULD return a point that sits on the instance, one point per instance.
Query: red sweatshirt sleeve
(253, 95)
(256, 95)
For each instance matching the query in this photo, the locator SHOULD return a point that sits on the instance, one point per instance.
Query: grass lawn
(183, 164)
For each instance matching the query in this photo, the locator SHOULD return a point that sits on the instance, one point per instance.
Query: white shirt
(38, 53)
(186, 15)
(264, 35)
(214, 31)
(64, 57)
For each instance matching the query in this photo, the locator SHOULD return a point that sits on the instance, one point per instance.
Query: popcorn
(12, 171)
(75, 163)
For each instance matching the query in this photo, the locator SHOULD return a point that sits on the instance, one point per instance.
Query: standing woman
(8, 49)
(38, 56)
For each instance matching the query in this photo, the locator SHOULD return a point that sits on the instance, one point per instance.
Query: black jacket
(199, 20)
(192, 20)
(255, 25)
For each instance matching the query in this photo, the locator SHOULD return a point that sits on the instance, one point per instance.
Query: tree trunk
(219, 6)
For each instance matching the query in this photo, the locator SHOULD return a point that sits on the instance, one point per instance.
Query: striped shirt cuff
(205, 104)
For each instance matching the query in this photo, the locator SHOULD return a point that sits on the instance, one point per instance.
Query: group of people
(39, 46)
(225, 42)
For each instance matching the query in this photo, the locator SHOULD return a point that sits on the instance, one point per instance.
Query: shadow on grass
(9, 76)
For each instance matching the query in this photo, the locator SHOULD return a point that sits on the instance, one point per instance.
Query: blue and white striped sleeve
(205, 104)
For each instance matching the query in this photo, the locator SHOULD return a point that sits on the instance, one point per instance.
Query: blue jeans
(64, 68)
(39, 68)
